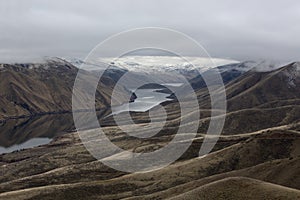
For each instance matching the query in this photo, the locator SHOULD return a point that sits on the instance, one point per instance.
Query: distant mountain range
(41, 88)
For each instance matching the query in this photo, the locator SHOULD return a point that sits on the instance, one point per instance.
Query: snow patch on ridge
(297, 66)
(292, 74)
(166, 63)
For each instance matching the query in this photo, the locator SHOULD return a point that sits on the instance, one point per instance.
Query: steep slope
(30, 89)
(257, 88)
(260, 89)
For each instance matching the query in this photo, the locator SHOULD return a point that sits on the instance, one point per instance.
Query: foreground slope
(70, 172)
(239, 188)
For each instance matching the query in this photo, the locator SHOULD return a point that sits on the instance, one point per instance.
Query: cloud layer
(232, 29)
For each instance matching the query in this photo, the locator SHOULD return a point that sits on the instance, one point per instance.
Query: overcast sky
(242, 30)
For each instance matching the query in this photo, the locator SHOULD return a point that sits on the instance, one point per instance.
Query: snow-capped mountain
(162, 64)
(158, 64)
(167, 68)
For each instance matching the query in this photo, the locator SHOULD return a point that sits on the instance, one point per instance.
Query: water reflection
(28, 144)
(146, 99)
(16, 134)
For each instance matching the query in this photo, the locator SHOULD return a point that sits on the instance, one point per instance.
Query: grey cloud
(229, 29)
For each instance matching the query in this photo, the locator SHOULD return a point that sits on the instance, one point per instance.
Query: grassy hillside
(239, 188)
(30, 89)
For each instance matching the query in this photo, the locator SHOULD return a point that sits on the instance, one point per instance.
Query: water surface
(17, 134)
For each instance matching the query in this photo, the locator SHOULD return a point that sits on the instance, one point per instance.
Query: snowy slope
(158, 64)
